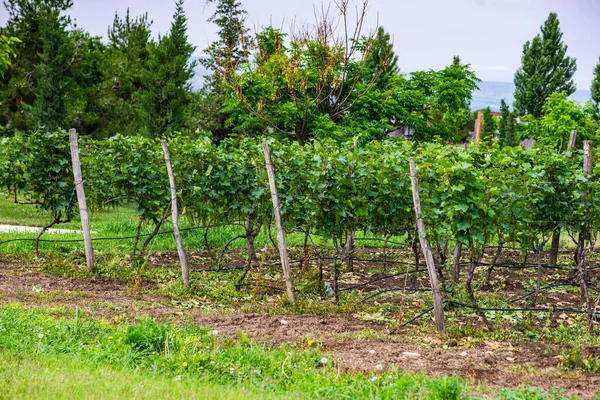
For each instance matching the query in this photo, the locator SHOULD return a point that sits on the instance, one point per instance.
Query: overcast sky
(488, 34)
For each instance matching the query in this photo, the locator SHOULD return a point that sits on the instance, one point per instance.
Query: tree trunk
(137, 237)
(456, 262)
(488, 276)
(44, 229)
(553, 256)
(470, 274)
(348, 252)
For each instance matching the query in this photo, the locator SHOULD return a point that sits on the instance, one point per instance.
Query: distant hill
(491, 93)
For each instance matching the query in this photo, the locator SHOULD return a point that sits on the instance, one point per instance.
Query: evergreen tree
(507, 126)
(229, 52)
(545, 69)
(49, 110)
(167, 98)
(488, 130)
(596, 92)
(30, 21)
(232, 47)
(382, 63)
(125, 68)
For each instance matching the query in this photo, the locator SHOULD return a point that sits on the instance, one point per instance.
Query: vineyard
(511, 231)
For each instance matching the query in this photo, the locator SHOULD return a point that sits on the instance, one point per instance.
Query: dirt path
(355, 344)
(32, 229)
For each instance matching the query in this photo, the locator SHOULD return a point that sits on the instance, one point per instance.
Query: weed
(579, 358)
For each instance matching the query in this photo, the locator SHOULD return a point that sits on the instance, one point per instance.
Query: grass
(118, 222)
(55, 353)
(191, 357)
(59, 377)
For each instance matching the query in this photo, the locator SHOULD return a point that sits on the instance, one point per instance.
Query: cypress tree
(507, 126)
(545, 69)
(595, 89)
(382, 62)
(230, 51)
(488, 130)
(49, 110)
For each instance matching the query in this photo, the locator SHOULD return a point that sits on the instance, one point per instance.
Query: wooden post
(175, 217)
(572, 140)
(584, 235)
(438, 306)
(83, 212)
(588, 149)
(287, 273)
(554, 247)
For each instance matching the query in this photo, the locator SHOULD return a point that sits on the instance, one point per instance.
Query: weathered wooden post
(438, 306)
(175, 217)
(584, 235)
(83, 212)
(554, 247)
(283, 255)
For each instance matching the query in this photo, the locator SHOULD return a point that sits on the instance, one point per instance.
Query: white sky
(488, 34)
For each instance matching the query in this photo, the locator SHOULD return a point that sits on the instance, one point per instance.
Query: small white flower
(212, 362)
(231, 370)
(379, 367)
(215, 332)
(41, 335)
(178, 378)
(324, 360)
(373, 379)
(371, 351)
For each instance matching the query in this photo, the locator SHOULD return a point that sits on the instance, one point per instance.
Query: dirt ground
(355, 344)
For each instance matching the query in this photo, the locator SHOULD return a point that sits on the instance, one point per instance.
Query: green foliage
(559, 117)
(326, 187)
(488, 130)
(225, 55)
(39, 25)
(545, 69)
(507, 126)
(125, 64)
(49, 110)
(577, 358)
(165, 102)
(48, 175)
(595, 89)
(6, 52)
(381, 65)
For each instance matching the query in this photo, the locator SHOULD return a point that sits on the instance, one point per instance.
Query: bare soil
(354, 344)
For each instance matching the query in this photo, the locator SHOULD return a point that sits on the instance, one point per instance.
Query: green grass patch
(55, 353)
(119, 222)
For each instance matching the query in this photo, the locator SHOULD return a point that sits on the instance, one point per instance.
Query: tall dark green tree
(488, 130)
(595, 89)
(31, 22)
(382, 63)
(545, 69)
(165, 104)
(229, 52)
(507, 126)
(49, 110)
(125, 67)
